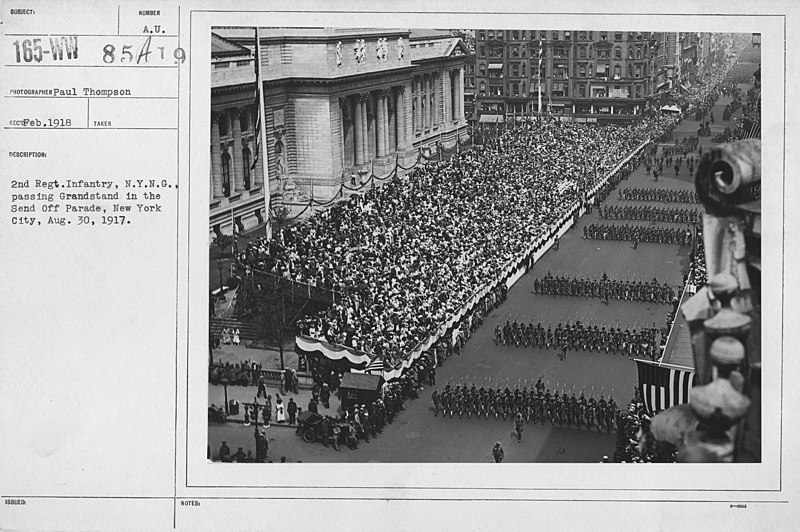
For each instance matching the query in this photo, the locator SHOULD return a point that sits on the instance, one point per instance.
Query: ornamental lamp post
(219, 267)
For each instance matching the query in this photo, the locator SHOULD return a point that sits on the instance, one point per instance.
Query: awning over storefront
(491, 119)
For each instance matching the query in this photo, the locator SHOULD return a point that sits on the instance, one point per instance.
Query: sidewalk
(246, 394)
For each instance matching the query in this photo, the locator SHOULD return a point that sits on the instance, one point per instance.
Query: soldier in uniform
(519, 426)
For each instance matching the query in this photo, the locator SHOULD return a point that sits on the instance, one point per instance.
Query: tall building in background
(587, 76)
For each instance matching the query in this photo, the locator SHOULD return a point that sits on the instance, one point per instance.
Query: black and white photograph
(484, 245)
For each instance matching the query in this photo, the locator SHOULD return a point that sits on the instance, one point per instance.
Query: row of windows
(522, 35)
(518, 70)
(226, 122)
(561, 53)
(560, 90)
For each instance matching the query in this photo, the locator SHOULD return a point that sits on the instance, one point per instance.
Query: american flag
(662, 387)
(376, 364)
(753, 133)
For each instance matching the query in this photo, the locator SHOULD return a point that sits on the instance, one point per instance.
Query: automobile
(314, 427)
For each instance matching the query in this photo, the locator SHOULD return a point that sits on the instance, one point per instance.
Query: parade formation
(638, 233)
(665, 195)
(537, 405)
(649, 213)
(605, 288)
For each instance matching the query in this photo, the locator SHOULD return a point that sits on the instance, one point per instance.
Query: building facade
(339, 106)
(591, 76)
(238, 196)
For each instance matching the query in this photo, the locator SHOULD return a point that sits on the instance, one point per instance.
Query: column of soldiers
(649, 213)
(537, 405)
(638, 233)
(579, 337)
(664, 195)
(604, 288)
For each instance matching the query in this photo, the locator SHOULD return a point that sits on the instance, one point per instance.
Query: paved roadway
(418, 436)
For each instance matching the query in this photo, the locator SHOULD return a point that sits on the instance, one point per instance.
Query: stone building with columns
(339, 105)
(237, 192)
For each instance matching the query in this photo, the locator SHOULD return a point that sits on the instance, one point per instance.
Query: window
(638, 53)
(617, 71)
(515, 89)
(483, 88)
(244, 120)
(481, 51)
(617, 53)
(630, 53)
(246, 167)
(482, 69)
(630, 36)
(496, 90)
(582, 90)
(638, 72)
(630, 70)
(515, 52)
(582, 71)
(522, 70)
(500, 35)
(482, 35)
(582, 52)
(226, 175)
(555, 35)
(514, 70)
(533, 35)
(515, 35)
(582, 36)
(603, 36)
(618, 36)
(223, 125)
(491, 34)
(567, 36)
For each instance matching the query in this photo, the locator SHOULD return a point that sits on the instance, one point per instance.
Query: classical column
(391, 127)
(385, 95)
(427, 96)
(359, 138)
(399, 118)
(460, 94)
(380, 122)
(416, 98)
(436, 103)
(364, 128)
(216, 156)
(238, 167)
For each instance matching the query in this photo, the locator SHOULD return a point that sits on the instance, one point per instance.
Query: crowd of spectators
(410, 254)
(635, 441)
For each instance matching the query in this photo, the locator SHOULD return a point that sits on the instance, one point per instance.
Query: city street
(419, 436)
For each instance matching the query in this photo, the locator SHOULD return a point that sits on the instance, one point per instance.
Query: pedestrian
(283, 383)
(224, 452)
(262, 387)
(312, 406)
(497, 453)
(291, 409)
(563, 351)
(280, 414)
(325, 395)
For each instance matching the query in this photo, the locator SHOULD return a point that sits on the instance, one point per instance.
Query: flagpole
(539, 79)
(263, 134)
